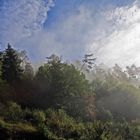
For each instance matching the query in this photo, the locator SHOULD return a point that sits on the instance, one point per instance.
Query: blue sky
(108, 28)
(63, 8)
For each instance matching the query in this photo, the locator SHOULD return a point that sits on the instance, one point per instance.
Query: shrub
(38, 116)
(14, 112)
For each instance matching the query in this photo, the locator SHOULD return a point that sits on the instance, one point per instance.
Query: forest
(67, 101)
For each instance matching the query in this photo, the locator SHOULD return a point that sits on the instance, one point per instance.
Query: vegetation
(62, 101)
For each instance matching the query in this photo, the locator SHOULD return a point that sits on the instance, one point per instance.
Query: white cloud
(68, 38)
(122, 46)
(20, 18)
(71, 37)
(113, 35)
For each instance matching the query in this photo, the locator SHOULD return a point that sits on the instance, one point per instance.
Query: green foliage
(4, 91)
(118, 100)
(57, 125)
(106, 109)
(61, 85)
(13, 112)
(38, 116)
(104, 114)
(17, 131)
(60, 126)
(11, 65)
(28, 71)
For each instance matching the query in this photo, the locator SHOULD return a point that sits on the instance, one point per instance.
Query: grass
(18, 131)
(17, 126)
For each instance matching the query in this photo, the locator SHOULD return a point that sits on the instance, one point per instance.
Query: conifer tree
(11, 65)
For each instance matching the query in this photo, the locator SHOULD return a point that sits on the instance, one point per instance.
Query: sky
(110, 29)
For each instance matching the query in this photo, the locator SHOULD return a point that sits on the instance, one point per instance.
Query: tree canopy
(11, 65)
(61, 101)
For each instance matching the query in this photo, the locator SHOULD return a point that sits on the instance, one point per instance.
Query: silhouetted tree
(11, 65)
(28, 71)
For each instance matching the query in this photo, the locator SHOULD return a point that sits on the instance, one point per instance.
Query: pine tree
(11, 65)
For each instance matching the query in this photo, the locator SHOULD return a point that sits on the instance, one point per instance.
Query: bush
(60, 126)
(13, 112)
(38, 116)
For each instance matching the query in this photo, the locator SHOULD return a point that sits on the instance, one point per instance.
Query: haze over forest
(108, 29)
(69, 70)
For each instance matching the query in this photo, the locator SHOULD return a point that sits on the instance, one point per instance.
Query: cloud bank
(122, 45)
(22, 18)
(111, 33)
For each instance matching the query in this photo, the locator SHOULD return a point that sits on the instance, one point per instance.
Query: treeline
(61, 101)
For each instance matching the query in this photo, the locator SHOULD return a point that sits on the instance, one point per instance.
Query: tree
(11, 65)
(28, 71)
(0, 62)
(61, 85)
